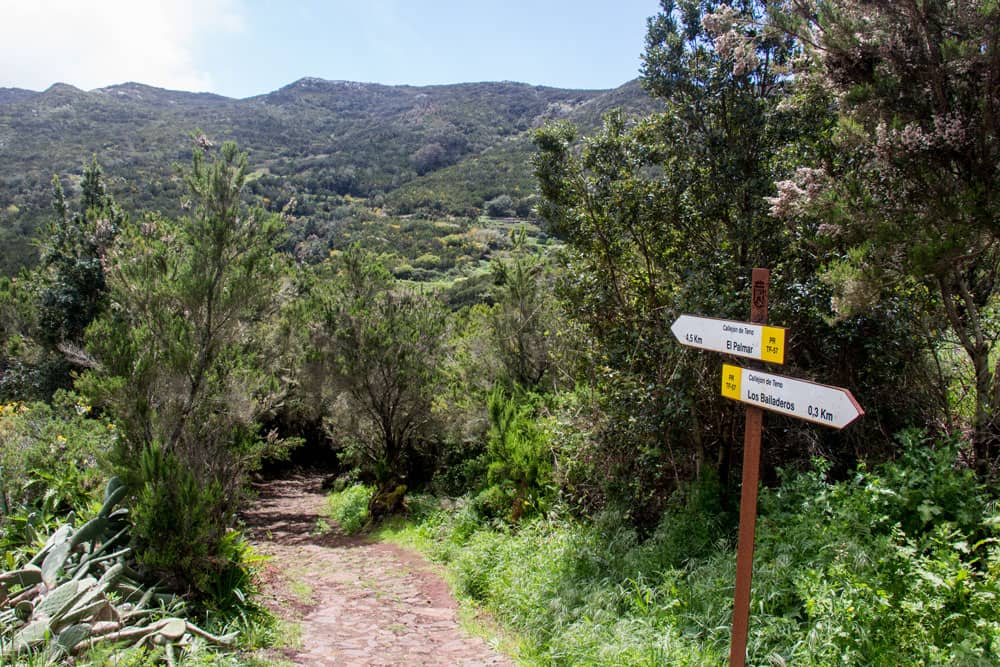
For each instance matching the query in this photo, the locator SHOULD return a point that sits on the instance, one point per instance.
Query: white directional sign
(742, 339)
(820, 403)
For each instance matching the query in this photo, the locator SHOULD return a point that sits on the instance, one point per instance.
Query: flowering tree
(667, 215)
(914, 195)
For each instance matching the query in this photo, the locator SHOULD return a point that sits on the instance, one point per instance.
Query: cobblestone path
(357, 602)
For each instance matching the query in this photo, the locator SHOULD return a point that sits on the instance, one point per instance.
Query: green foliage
(524, 317)
(909, 194)
(438, 149)
(417, 250)
(73, 290)
(519, 472)
(18, 315)
(349, 508)
(382, 344)
(183, 365)
(500, 207)
(664, 216)
(86, 599)
(53, 461)
(181, 524)
(578, 594)
(896, 565)
(28, 370)
(43, 314)
(667, 216)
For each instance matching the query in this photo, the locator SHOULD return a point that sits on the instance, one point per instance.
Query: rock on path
(357, 602)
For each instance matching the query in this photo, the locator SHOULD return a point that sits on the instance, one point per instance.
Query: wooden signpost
(822, 404)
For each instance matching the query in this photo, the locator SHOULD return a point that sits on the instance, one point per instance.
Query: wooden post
(760, 282)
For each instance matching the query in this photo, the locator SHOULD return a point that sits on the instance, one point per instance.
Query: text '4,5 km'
(742, 339)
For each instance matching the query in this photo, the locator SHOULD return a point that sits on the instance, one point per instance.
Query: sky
(241, 48)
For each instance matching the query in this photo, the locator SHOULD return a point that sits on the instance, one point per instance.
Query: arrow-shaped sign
(820, 403)
(742, 339)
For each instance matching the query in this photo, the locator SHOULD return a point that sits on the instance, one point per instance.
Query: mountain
(446, 149)
(8, 95)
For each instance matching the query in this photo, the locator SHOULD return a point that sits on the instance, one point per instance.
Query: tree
(912, 197)
(501, 206)
(68, 291)
(429, 157)
(382, 343)
(521, 319)
(183, 365)
(666, 215)
(73, 290)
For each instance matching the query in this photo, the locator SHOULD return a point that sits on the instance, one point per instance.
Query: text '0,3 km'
(820, 403)
(754, 341)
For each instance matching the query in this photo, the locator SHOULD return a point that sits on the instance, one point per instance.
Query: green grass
(349, 508)
(896, 565)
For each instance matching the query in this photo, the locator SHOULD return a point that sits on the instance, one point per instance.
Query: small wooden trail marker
(822, 404)
(760, 282)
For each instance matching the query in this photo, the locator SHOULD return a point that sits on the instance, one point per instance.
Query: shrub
(519, 474)
(53, 460)
(183, 365)
(899, 561)
(898, 565)
(349, 508)
(427, 261)
(181, 525)
(501, 206)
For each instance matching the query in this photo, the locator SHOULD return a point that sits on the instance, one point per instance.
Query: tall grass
(899, 565)
(349, 508)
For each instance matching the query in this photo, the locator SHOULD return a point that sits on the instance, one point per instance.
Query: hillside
(336, 146)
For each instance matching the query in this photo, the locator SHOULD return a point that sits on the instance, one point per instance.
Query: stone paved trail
(357, 602)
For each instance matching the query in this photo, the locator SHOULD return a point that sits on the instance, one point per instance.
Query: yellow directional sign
(743, 339)
(819, 403)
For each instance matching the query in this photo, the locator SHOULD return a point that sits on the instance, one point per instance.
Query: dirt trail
(357, 602)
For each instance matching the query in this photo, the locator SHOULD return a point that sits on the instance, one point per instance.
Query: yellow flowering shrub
(53, 458)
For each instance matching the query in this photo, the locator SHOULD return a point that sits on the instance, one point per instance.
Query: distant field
(451, 256)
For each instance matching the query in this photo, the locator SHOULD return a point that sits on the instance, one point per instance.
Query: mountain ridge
(13, 94)
(316, 140)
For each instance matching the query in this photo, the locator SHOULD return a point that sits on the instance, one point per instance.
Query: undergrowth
(898, 565)
(53, 470)
(349, 508)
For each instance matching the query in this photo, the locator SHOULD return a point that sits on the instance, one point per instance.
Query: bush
(501, 206)
(519, 473)
(427, 261)
(53, 461)
(349, 508)
(898, 565)
(181, 526)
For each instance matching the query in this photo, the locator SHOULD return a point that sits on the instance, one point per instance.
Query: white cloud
(95, 44)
